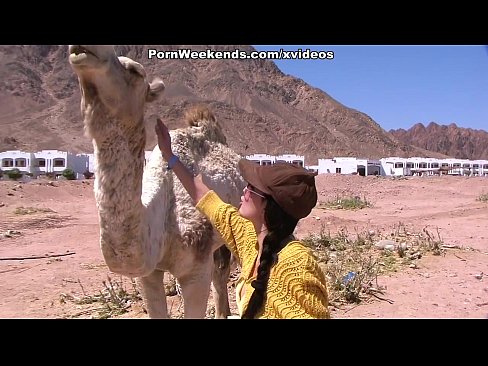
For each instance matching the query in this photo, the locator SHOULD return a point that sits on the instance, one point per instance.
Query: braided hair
(280, 228)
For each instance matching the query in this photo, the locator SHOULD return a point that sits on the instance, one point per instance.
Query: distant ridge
(451, 140)
(261, 109)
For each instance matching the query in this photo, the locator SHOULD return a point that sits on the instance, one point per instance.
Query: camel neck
(118, 189)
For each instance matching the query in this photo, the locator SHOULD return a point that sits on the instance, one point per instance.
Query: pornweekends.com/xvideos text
(208, 54)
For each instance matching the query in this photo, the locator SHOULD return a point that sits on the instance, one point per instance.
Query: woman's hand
(193, 185)
(164, 139)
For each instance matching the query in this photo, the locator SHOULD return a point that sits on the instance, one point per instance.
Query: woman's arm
(194, 185)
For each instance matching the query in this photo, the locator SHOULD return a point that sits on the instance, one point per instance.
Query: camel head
(115, 86)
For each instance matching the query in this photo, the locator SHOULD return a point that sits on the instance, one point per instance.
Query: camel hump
(202, 117)
(198, 115)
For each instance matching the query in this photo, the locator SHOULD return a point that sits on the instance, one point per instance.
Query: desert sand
(59, 219)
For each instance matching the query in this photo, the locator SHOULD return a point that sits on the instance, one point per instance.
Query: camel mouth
(79, 54)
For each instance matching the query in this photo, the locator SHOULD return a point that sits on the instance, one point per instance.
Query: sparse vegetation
(69, 174)
(353, 262)
(30, 210)
(14, 174)
(346, 263)
(483, 197)
(114, 299)
(346, 203)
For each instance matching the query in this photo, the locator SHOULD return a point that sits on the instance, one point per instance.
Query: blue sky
(398, 86)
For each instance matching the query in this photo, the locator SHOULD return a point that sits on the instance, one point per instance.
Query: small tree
(14, 174)
(69, 174)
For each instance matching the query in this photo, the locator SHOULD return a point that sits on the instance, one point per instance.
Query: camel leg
(195, 288)
(220, 278)
(153, 294)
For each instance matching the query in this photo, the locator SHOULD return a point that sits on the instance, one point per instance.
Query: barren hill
(261, 109)
(458, 142)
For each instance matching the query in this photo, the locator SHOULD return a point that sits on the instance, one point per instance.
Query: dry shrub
(346, 203)
(352, 262)
(114, 299)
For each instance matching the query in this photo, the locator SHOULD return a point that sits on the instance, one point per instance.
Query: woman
(280, 277)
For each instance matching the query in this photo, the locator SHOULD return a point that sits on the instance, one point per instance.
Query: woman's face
(253, 202)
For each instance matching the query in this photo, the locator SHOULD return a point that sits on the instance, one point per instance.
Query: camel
(148, 224)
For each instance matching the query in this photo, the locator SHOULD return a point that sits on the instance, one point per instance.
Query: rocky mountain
(458, 142)
(261, 109)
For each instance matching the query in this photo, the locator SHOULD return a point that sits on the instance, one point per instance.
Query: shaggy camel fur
(148, 224)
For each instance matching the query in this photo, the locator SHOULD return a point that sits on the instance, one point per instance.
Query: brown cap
(291, 186)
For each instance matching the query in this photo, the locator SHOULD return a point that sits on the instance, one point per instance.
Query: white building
(480, 167)
(38, 163)
(44, 162)
(396, 166)
(292, 159)
(262, 159)
(12, 159)
(349, 165)
(52, 161)
(265, 159)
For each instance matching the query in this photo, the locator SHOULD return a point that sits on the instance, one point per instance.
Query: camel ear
(156, 88)
(130, 64)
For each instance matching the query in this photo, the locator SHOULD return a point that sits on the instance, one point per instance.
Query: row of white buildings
(55, 162)
(391, 166)
(48, 162)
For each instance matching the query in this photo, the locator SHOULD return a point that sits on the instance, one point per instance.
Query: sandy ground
(59, 219)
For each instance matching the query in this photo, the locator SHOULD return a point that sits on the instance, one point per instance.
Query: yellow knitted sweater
(296, 287)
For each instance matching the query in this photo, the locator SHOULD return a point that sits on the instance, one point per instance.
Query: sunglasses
(248, 191)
